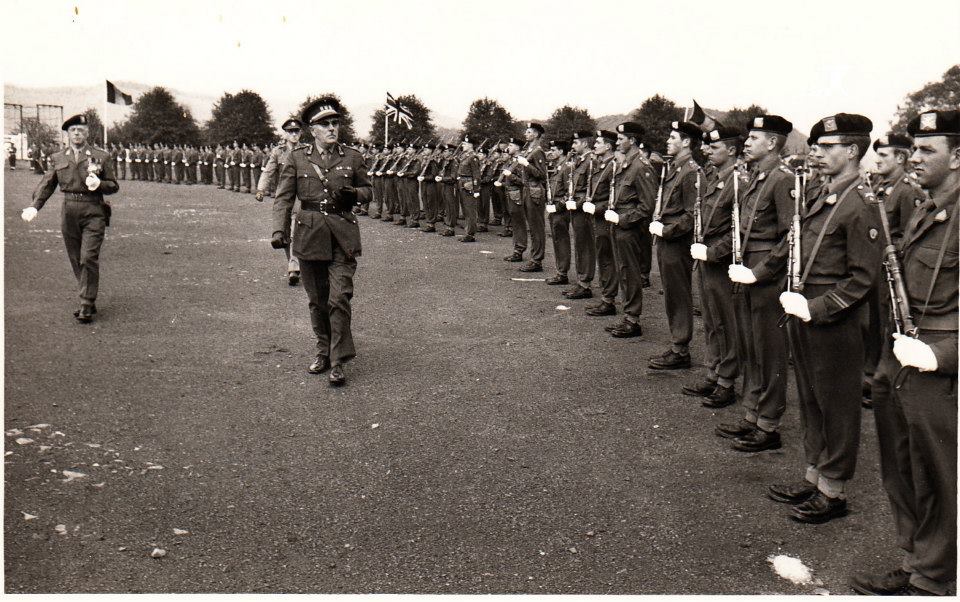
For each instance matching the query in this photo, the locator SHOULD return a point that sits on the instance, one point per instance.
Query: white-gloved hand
(438, 179)
(369, 173)
(795, 304)
(572, 205)
(420, 178)
(698, 251)
(656, 228)
(551, 208)
(28, 214)
(497, 184)
(507, 172)
(914, 352)
(611, 216)
(741, 274)
(476, 195)
(93, 182)
(379, 173)
(400, 174)
(389, 172)
(522, 161)
(589, 207)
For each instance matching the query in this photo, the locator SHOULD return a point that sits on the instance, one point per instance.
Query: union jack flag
(400, 113)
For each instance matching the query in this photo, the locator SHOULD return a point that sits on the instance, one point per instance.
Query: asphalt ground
(486, 442)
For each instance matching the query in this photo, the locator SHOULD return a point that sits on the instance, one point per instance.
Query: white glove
(741, 274)
(369, 173)
(379, 173)
(551, 208)
(914, 352)
(476, 195)
(497, 184)
(389, 173)
(400, 174)
(795, 304)
(438, 178)
(522, 161)
(507, 172)
(589, 207)
(572, 205)
(656, 228)
(28, 214)
(93, 182)
(611, 216)
(420, 178)
(698, 251)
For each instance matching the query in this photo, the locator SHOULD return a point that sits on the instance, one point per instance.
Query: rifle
(899, 302)
(658, 206)
(613, 193)
(698, 212)
(794, 259)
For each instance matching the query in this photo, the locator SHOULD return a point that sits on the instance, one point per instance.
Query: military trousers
(234, 178)
(828, 364)
(762, 349)
(719, 322)
(628, 253)
(413, 198)
(122, 170)
(255, 176)
(293, 264)
(390, 197)
(469, 203)
(560, 233)
(245, 178)
(221, 175)
(190, 171)
(606, 258)
(451, 204)
(518, 219)
(534, 206)
(584, 247)
(498, 205)
(376, 199)
(486, 198)
(431, 201)
(83, 224)
(646, 240)
(676, 272)
(916, 418)
(329, 287)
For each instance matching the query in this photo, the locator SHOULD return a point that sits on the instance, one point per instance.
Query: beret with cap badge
(75, 120)
(607, 135)
(723, 132)
(535, 126)
(893, 140)
(839, 128)
(774, 124)
(935, 123)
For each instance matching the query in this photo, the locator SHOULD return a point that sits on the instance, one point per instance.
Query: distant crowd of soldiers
(235, 166)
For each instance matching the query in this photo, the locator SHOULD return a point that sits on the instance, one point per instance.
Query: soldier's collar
(842, 182)
(946, 198)
(682, 157)
(723, 172)
(894, 178)
(336, 145)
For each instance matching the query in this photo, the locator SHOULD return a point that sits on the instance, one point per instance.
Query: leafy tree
(487, 118)
(935, 95)
(347, 133)
(655, 115)
(157, 117)
(422, 126)
(95, 125)
(38, 132)
(738, 117)
(566, 120)
(243, 116)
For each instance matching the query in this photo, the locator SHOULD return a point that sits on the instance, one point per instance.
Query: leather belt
(90, 197)
(324, 207)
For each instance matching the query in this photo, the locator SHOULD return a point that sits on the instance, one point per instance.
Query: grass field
(486, 442)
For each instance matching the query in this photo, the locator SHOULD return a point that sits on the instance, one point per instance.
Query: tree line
(244, 116)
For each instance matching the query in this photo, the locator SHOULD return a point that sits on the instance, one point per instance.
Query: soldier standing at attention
(234, 159)
(329, 179)
(916, 410)
(512, 186)
(85, 175)
(594, 206)
(584, 243)
(533, 173)
(559, 174)
(840, 260)
(430, 188)
(256, 167)
(673, 227)
(468, 187)
(446, 179)
(219, 167)
(713, 252)
(278, 158)
(766, 211)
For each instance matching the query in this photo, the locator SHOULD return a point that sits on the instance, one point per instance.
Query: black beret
(841, 126)
(320, 109)
(535, 126)
(516, 141)
(563, 145)
(630, 128)
(687, 128)
(894, 140)
(774, 124)
(935, 123)
(607, 135)
(722, 132)
(291, 124)
(583, 135)
(75, 120)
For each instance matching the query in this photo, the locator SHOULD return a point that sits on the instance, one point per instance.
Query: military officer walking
(329, 179)
(85, 174)
(275, 163)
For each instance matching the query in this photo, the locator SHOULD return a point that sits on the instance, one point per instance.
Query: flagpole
(106, 102)
(386, 128)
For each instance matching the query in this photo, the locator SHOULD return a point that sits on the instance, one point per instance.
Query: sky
(802, 60)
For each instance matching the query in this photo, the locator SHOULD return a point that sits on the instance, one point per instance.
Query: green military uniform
(559, 176)
(468, 187)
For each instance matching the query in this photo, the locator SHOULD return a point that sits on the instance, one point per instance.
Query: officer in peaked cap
(840, 254)
(85, 174)
(329, 179)
(918, 430)
(279, 156)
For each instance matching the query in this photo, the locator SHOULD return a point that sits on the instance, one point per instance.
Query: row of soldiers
(809, 262)
(235, 166)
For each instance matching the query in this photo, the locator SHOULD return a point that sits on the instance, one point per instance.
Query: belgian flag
(116, 96)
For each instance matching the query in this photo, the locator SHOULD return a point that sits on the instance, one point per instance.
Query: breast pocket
(309, 186)
(921, 277)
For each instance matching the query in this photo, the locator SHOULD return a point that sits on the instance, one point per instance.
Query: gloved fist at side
(277, 241)
(698, 251)
(656, 228)
(914, 352)
(523, 161)
(741, 274)
(795, 304)
(28, 214)
(346, 197)
(92, 182)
